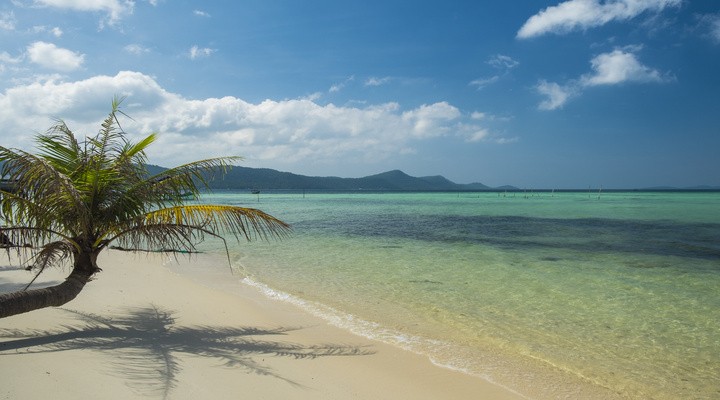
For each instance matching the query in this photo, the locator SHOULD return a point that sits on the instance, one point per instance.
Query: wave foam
(435, 350)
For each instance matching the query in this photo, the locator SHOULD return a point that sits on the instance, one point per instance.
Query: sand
(146, 329)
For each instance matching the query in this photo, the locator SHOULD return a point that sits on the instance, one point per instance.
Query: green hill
(264, 179)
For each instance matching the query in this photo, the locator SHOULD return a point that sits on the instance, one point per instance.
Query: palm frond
(139, 147)
(28, 236)
(169, 188)
(110, 131)
(188, 177)
(244, 222)
(181, 227)
(44, 196)
(153, 237)
(51, 254)
(60, 148)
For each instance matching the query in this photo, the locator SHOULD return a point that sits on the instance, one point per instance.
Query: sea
(545, 293)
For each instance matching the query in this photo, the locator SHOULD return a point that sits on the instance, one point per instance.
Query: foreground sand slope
(143, 331)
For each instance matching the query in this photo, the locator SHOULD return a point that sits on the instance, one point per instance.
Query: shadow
(145, 343)
(8, 286)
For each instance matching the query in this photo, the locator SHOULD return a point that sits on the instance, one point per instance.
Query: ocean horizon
(530, 289)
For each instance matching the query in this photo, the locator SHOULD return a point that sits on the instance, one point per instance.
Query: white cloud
(583, 14)
(617, 67)
(711, 23)
(431, 120)
(7, 21)
(478, 135)
(136, 49)
(613, 68)
(472, 132)
(499, 62)
(313, 96)
(115, 9)
(56, 58)
(482, 82)
(200, 52)
(478, 115)
(556, 94)
(55, 31)
(6, 58)
(502, 62)
(281, 132)
(374, 81)
(505, 140)
(200, 13)
(340, 86)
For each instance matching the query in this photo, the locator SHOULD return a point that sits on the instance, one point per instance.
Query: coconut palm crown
(73, 198)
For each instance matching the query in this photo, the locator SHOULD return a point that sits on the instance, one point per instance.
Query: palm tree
(73, 198)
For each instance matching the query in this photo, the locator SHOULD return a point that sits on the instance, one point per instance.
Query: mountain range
(264, 178)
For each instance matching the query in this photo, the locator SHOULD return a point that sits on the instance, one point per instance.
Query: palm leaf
(249, 223)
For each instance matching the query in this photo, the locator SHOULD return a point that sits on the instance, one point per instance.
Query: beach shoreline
(144, 328)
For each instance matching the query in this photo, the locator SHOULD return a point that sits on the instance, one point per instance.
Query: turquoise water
(534, 292)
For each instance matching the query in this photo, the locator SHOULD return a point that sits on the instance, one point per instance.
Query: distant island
(396, 180)
(245, 178)
(265, 179)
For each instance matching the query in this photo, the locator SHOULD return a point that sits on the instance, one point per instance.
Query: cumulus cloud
(200, 13)
(584, 14)
(200, 52)
(431, 120)
(281, 132)
(115, 9)
(619, 66)
(616, 67)
(56, 58)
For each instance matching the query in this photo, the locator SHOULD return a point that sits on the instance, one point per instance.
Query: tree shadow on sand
(145, 343)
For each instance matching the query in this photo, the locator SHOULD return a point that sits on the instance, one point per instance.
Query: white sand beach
(143, 331)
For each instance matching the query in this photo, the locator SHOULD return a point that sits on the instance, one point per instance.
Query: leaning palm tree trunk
(54, 296)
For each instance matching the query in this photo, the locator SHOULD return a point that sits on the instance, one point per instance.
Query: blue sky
(536, 94)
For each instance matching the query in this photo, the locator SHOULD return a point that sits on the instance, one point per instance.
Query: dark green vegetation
(252, 178)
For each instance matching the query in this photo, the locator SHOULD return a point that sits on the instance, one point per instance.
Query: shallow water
(621, 289)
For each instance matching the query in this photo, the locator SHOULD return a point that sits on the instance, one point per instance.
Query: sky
(530, 93)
